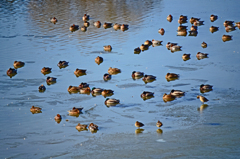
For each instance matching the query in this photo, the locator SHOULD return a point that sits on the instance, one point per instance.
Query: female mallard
(51, 79)
(186, 57)
(11, 72)
(159, 124)
(144, 47)
(169, 18)
(201, 55)
(148, 42)
(98, 60)
(116, 26)
(171, 75)
(92, 127)
(86, 24)
(182, 27)
(183, 17)
(46, 70)
(168, 97)
(85, 17)
(192, 20)
(227, 22)
(42, 88)
(156, 42)
(137, 50)
(226, 38)
(97, 90)
(147, 94)
(107, 25)
(113, 70)
(85, 90)
(193, 28)
(112, 101)
(73, 89)
(74, 28)
(79, 72)
(177, 93)
(161, 31)
(124, 27)
(213, 17)
(53, 20)
(35, 109)
(83, 28)
(83, 85)
(80, 127)
(75, 111)
(58, 117)
(204, 45)
(62, 64)
(213, 29)
(182, 33)
(202, 99)
(107, 92)
(182, 20)
(97, 24)
(107, 48)
(107, 77)
(18, 64)
(137, 74)
(205, 88)
(148, 78)
(237, 24)
(139, 124)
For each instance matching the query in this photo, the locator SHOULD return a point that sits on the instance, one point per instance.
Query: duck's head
(164, 94)
(133, 72)
(107, 99)
(172, 90)
(58, 115)
(93, 88)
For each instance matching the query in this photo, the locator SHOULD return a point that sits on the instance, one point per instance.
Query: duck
(161, 31)
(35, 109)
(85, 90)
(97, 24)
(18, 64)
(97, 90)
(149, 77)
(204, 45)
(186, 57)
(206, 87)
(83, 85)
(174, 48)
(201, 55)
(81, 126)
(51, 80)
(182, 20)
(11, 72)
(169, 44)
(73, 89)
(172, 75)
(92, 127)
(227, 22)
(182, 28)
(147, 94)
(202, 99)
(213, 17)
(156, 42)
(177, 92)
(98, 60)
(58, 117)
(182, 33)
(237, 24)
(168, 97)
(193, 28)
(213, 29)
(159, 124)
(107, 25)
(79, 72)
(42, 88)
(85, 17)
(74, 28)
(137, 74)
(183, 17)
(112, 101)
(148, 42)
(46, 70)
(230, 28)
(107, 48)
(107, 92)
(226, 38)
(54, 20)
(83, 28)
(86, 24)
(62, 64)
(192, 20)
(193, 33)
(137, 50)
(124, 27)
(107, 77)
(169, 18)
(116, 26)
(75, 111)
(139, 124)
(198, 22)
(144, 47)
(113, 70)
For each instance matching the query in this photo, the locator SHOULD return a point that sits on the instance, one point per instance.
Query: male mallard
(116, 26)
(159, 124)
(81, 127)
(11, 72)
(205, 88)
(177, 92)
(169, 44)
(46, 70)
(35, 109)
(139, 124)
(147, 94)
(97, 24)
(156, 42)
(186, 57)
(161, 31)
(237, 24)
(107, 77)
(107, 25)
(62, 64)
(107, 92)
(107, 48)
(226, 38)
(202, 99)
(113, 70)
(74, 28)
(58, 117)
(230, 28)
(85, 17)
(83, 85)
(168, 97)
(53, 20)
(172, 75)
(98, 60)
(51, 79)
(144, 47)
(124, 27)
(18, 64)
(204, 45)
(85, 90)
(86, 24)
(213, 29)
(137, 74)
(213, 17)
(42, 88)
(73, 89)
(169, 18)
(201, 55)
(227, 22)
(92, 127)
(97, 90)
(78, 72)
(137, 50)
(192, 20)
(75, 111)
(83, 28)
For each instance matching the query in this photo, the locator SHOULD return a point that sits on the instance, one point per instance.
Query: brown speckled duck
(18, 64)
(113, 70)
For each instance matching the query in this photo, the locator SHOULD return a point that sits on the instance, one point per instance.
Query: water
(189, 129)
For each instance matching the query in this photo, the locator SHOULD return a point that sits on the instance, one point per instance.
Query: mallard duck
(177, 92)
(42, 88)
(124, 27)
(58, 117)
(183, 17)
(159, 124)
(192, 20)
(213, 17)
(201, 55)
(113, 70)
(148, 42)
(75, 111)
(227, 22)
(169, 18)
(107, 77)
(139, 124)
(169, 44)
(116, 26)
(85, 90)
(193, 33)
(204, 45)
(161, 31)
(174, 48)
(74, 27)
(107, 92)
(112, 101)
(11, 72)
(137, 74)
(213, 29)
(51, 79)
(198, 23)
(107, 48)
(97, 24)
(53, 20)
(83, 28)
(182, 33)
(62, 64)
(46, 70)
(182, 27)
(226, 38)
(81, 126)
(186, 57)
(97, 90)
(156, 42)
(98, 60)
(107, 25)
(172, 75)
(193, 28)
(230, 28)
(147, 94)
(182, 20)
(83, 85)
(92, 127)
(79, 72)
(18, 64)
(137, 50)
(205, 88)
(237, 24)
(85, 17)
(202, 99)
(144, 47)
(86, 24)
(168, 97)
(35, 109)
(149, 77)
(72, 89)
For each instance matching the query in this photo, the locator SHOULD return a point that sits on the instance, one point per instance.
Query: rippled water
(189, 128)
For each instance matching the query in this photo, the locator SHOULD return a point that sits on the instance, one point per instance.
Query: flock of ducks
(84, 88)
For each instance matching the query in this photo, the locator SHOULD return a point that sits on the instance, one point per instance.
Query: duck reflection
(202, 107)
(139, 131)
(159, 131)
